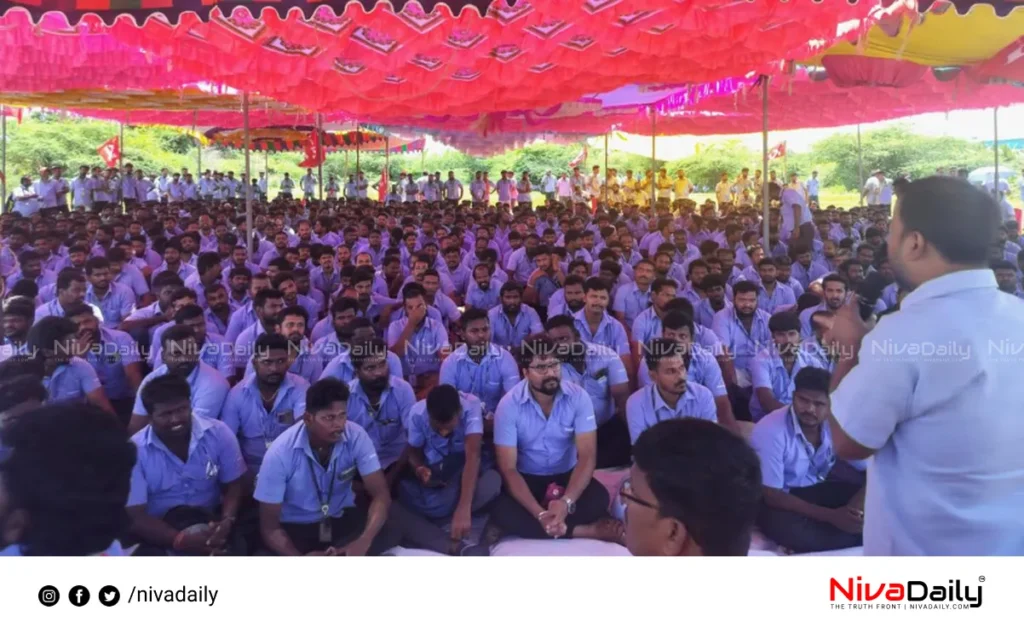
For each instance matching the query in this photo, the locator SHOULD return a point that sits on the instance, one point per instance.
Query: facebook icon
(79, 596)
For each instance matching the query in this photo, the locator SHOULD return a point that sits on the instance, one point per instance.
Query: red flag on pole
(580, 158)
(382, 188)
(314, 152)
(110, 152)
(777, 152)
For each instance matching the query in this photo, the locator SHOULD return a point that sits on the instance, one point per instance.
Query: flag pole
(995, 150)
(860, 168)
(764, 159)
(606, 184)
(320, 150)
(248, 190)
(120, 154)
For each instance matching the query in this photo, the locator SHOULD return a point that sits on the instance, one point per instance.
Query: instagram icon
(49, 596)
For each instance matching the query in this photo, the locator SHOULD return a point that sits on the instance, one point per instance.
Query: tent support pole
(654, 163)
(387, 168)
(199, 145)
(764, 160)
(995, 150)
(320, 142)
(357, 156)
(120, 156)
(248, 190)
(860, 167)
(3, 156)
(607, 184)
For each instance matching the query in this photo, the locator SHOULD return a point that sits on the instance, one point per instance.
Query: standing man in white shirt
(128, 187)
(873, 188)
(564, 189)
(62, 188)
(206, 186)
(46, 189)
(812, 189)
(548, 185)
(81, 191)
(308, 184)
(452, 188)
(362, 186)
(933, 391)
(264, 186)
(163, 185)
(26, 200)
(287, 184)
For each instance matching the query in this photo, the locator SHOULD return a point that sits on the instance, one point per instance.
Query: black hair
(712, 280)
(270, 341)
(807, 300)
(295, 310)
(812, 379)
(167, 278)
(661, 348)
(165, 389)
(341, 304)
(767, 261)
(186, 313)
(784, 322)
(834, 278)
(595, 284)
(677, 320)
(67, 276)
(20, 306)
(957, 218)
(78, 310)
(367, 350)
(182, 293)
(47, 331)
(511, 286)
(261, 298)
(443, 403)
(704, 477)
(474, 314)
(76, 503)
(744, 286)
(206, 261)
(561, 320)
(535, 346)
(573, 280)
(238, 271)
(659, 284)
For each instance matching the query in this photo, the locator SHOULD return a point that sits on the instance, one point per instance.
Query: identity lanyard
(323, 499)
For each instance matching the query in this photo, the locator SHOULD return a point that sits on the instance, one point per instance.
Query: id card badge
(326, 537)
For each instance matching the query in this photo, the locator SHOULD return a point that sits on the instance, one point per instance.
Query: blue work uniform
(767, 371)
(603, 369)
(610, 332)
(490, 379)
(71, 381)
(423, 348)
(116, 351)
(384, 425)
(631, 301)
(256, 428)
(509, 333)
(208, 388)
(646, 407)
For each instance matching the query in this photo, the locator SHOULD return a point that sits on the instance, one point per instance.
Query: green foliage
(55, 139)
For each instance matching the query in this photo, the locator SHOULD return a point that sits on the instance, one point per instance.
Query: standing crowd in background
(624, 362)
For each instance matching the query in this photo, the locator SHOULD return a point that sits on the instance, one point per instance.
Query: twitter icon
(109, 596)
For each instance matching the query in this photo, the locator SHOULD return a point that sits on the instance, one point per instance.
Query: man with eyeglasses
(545, 435)
(693, 490)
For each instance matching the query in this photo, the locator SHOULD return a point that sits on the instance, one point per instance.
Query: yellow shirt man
(664, 186)
(682, 186)
(629, 188)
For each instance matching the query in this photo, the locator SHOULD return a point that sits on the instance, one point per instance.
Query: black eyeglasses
(626, 492)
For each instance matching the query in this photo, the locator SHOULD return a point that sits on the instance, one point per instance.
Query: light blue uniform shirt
(767, 371)
(603, 370)
(385, 426)
(546, 445)
(646, 407)
(704, 314)
(256, 427)
(306, 365)
(936, 392)
(118, 350)
(647, 326)
(506, 333)
(490, 379)
(788, 459)
(293, 477)
(783, 296)
(477, 298)
(240, 320)
(422, 351)
(216, 352)
(116, 305)
(631, 301)
(208, 387)
(703, 370)
(71, 381)
(161, 481)
(460, 277)
(610, 332)
(743, 345)
(341, 367)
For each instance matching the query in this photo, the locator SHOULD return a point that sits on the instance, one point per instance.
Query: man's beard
(575, 306)
(376, 384)
(743, 312)
(549, 386)
(484, 287)
(512, 310)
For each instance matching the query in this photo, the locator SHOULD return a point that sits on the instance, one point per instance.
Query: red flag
(15, 112)
(314, 152)
(777, 152)
(382, 188)
(110, 152)
(580, 158)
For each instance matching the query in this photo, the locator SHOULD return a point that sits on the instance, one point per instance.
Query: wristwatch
(570, 505)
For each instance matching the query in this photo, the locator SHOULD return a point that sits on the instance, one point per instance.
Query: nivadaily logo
(911, 594)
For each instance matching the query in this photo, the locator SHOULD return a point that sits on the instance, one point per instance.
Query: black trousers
(512, 518)
(344, 530)
(739, 398)
(614, 449)
(123, 408)
(803, 534)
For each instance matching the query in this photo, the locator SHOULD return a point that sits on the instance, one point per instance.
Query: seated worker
(478, 366)
(180, 354)
(267, 402)
(291, 324)
(187, 482)
(304, 487)
(545, 436)
(213, 350)
(53, 341)
(267, 305)
(511, 320)
(811, 502)
(743, 329)
(380, 403)
(671, 395)
(600, 372)
(74, 506)
(568, 299)
(595, 325)
(356, 331)
(445, 441)
(418, 339)
(694, 490)
(114, 355)
(774, 367)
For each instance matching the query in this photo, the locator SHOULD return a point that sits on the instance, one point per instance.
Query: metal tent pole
(199, 144)
(120, 155)
(607, 184)
(320, 149)
(357, 156)
(3, 157)
(764, 160)
(654, 164)
(248, 190)
(995, 149)
(860, 167)
(387, 168)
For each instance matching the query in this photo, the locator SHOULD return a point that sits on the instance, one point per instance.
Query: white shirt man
(308, 184)
(25, 200)
(548, 184)
(873, 188)
(81, 192)
(264, 184)
(287, 185)
(206, 186)
(564, 187)
(812, 187)
(46, 189)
